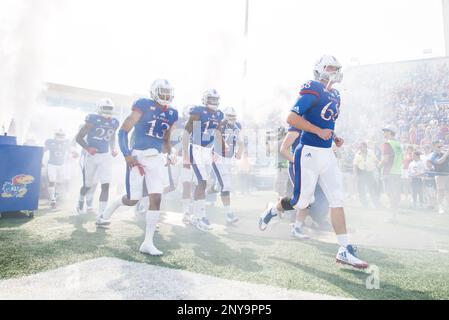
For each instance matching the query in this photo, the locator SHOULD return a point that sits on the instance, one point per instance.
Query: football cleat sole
(357, 266)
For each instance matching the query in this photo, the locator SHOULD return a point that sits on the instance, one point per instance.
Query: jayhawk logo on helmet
(17, 187)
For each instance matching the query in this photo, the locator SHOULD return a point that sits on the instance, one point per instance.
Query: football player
(315, 113)
(319, 206)
(97, 138)
(58, 149)
(202, 131)
(186, 175)
(287, 150)
(153, 120)
(89, 198)
(232, 148)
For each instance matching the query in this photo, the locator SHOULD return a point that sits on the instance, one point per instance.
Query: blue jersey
(102, 132)
(298, 140)
(150, 130)
(58, 150)
(321, 108)
(204, 129)
(231, 135)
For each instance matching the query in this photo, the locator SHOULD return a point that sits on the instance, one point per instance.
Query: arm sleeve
(124, 143)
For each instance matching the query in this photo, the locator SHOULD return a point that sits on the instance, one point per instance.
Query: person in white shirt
(365, 166)
(416, 171)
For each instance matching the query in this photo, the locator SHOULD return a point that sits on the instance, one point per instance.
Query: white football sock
(52, 193)
(299, 224)
(228, 210)
(102, 207)
(81, 201)
(275, 210)
(343, 240)
(144, 204)
(152, 221)
(202, 208)
(113, 206)
(199, 209)
(191, 207)
(90, 197)
(148, 244)
(186, 206)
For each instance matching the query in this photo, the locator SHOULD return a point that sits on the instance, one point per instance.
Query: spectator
(413, 135)
(406, 182)
(440, 160)
(391, 165)
(416, 171)
(430, 187)
(427, 152)
(365, 166)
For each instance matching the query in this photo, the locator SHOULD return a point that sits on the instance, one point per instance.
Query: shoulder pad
(195, 110)
(91, 118)
(142, 103)
(312, 87)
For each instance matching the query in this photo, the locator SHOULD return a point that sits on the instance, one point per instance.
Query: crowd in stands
(417, 124)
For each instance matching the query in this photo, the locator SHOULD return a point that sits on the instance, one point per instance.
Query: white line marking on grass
(111, 278)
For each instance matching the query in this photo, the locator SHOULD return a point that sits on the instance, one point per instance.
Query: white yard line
(111, 278)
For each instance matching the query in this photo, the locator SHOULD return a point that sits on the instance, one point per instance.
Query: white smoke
(22, 58)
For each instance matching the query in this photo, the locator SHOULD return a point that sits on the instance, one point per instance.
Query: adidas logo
(309, 155)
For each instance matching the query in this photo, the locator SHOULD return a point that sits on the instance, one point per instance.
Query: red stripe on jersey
(316, 94)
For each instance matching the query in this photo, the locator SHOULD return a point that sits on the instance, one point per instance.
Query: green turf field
(412, 256)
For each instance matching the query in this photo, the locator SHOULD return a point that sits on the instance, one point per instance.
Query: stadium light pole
(245, 66)
(245, 58)
(446, 24)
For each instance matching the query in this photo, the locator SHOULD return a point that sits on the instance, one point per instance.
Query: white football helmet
(59, 135)
(321, 73)
(162, 92)
(105, 107)
(230, 115)
(211, 99)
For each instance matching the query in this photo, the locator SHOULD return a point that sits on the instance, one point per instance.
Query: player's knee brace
(286, 204)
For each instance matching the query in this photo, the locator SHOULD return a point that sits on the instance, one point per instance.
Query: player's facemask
(165, 96)
(106, 111)
(212, 103)
(231, 119)
(334, 76)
